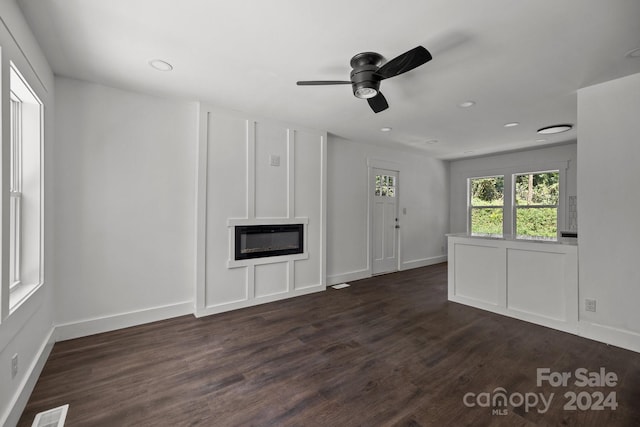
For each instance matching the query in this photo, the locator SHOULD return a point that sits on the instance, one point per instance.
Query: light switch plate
(274, 160)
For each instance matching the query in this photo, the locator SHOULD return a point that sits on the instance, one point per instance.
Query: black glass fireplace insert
(258, 241)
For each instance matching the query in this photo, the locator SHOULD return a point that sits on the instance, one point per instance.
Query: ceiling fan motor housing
(364, 81)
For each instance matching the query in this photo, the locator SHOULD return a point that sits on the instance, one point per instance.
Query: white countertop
(508, 237)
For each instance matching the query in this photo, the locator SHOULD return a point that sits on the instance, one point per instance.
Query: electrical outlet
(590, 305)
(14, 365)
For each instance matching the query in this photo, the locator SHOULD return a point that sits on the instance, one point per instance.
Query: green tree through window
(486, 205)
(536, 197)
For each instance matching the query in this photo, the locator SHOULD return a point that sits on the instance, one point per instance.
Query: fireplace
(258, 241)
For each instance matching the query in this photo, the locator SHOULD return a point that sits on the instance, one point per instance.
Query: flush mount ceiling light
(161, 65)
(512, 124)
(467, 104)
(385, 129)
(549, 130)
(634, 53)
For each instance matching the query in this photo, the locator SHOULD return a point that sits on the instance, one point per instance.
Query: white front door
(385, 221)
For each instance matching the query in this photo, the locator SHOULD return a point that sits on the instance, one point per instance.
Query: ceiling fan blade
(378, 103)
(405, 62)
(323, 82)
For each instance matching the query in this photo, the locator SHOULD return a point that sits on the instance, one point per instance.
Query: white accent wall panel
(308, 272)
(227, 175)
(251, 172)
(271, 182)
(271, 279)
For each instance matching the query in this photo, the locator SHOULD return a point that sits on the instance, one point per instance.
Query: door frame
(392, 166)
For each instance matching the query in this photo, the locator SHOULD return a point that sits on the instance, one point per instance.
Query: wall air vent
(52, 418)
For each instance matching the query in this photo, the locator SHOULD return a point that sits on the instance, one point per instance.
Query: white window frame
(515, 206)
(27, 127)
(471, 207)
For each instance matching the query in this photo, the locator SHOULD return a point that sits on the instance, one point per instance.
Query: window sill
(21, 294)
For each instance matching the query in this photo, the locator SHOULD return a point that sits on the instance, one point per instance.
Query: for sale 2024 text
(582, 377)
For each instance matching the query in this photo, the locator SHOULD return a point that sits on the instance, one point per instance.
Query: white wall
(28, 330)
(506, 164)
(423, 192)
(238, 185)
(125, 207)
(609, 239)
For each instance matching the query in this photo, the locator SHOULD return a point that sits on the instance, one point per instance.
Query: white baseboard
(366, 273)
(416, 263)
(348, 277)
(235, 305)
(609, 335)
(98, 325)
(21, 398)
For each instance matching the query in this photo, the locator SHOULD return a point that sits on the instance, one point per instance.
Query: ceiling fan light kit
(367, 73)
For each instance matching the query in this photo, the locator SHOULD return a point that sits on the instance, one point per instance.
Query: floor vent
(52, 418)
(341, 285)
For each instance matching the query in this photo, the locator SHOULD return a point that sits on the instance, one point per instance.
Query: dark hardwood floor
(390, 350)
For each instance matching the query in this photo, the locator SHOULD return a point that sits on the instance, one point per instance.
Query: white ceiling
(520, 61)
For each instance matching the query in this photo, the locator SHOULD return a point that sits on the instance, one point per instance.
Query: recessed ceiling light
(467, 104)
(161, 65)
(432, 141)
(541, 140)
(554, 129)
(634, 53)
(385, 129)
(512, 124)
(469, 152)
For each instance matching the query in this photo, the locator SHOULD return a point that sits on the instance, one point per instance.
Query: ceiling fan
(367, 74)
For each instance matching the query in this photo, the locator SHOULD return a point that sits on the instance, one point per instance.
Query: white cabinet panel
(535, 283)
(477, 272)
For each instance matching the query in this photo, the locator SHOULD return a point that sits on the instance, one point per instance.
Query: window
(385, 186)
(25, 205)
(535, 205)
(486, 202)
